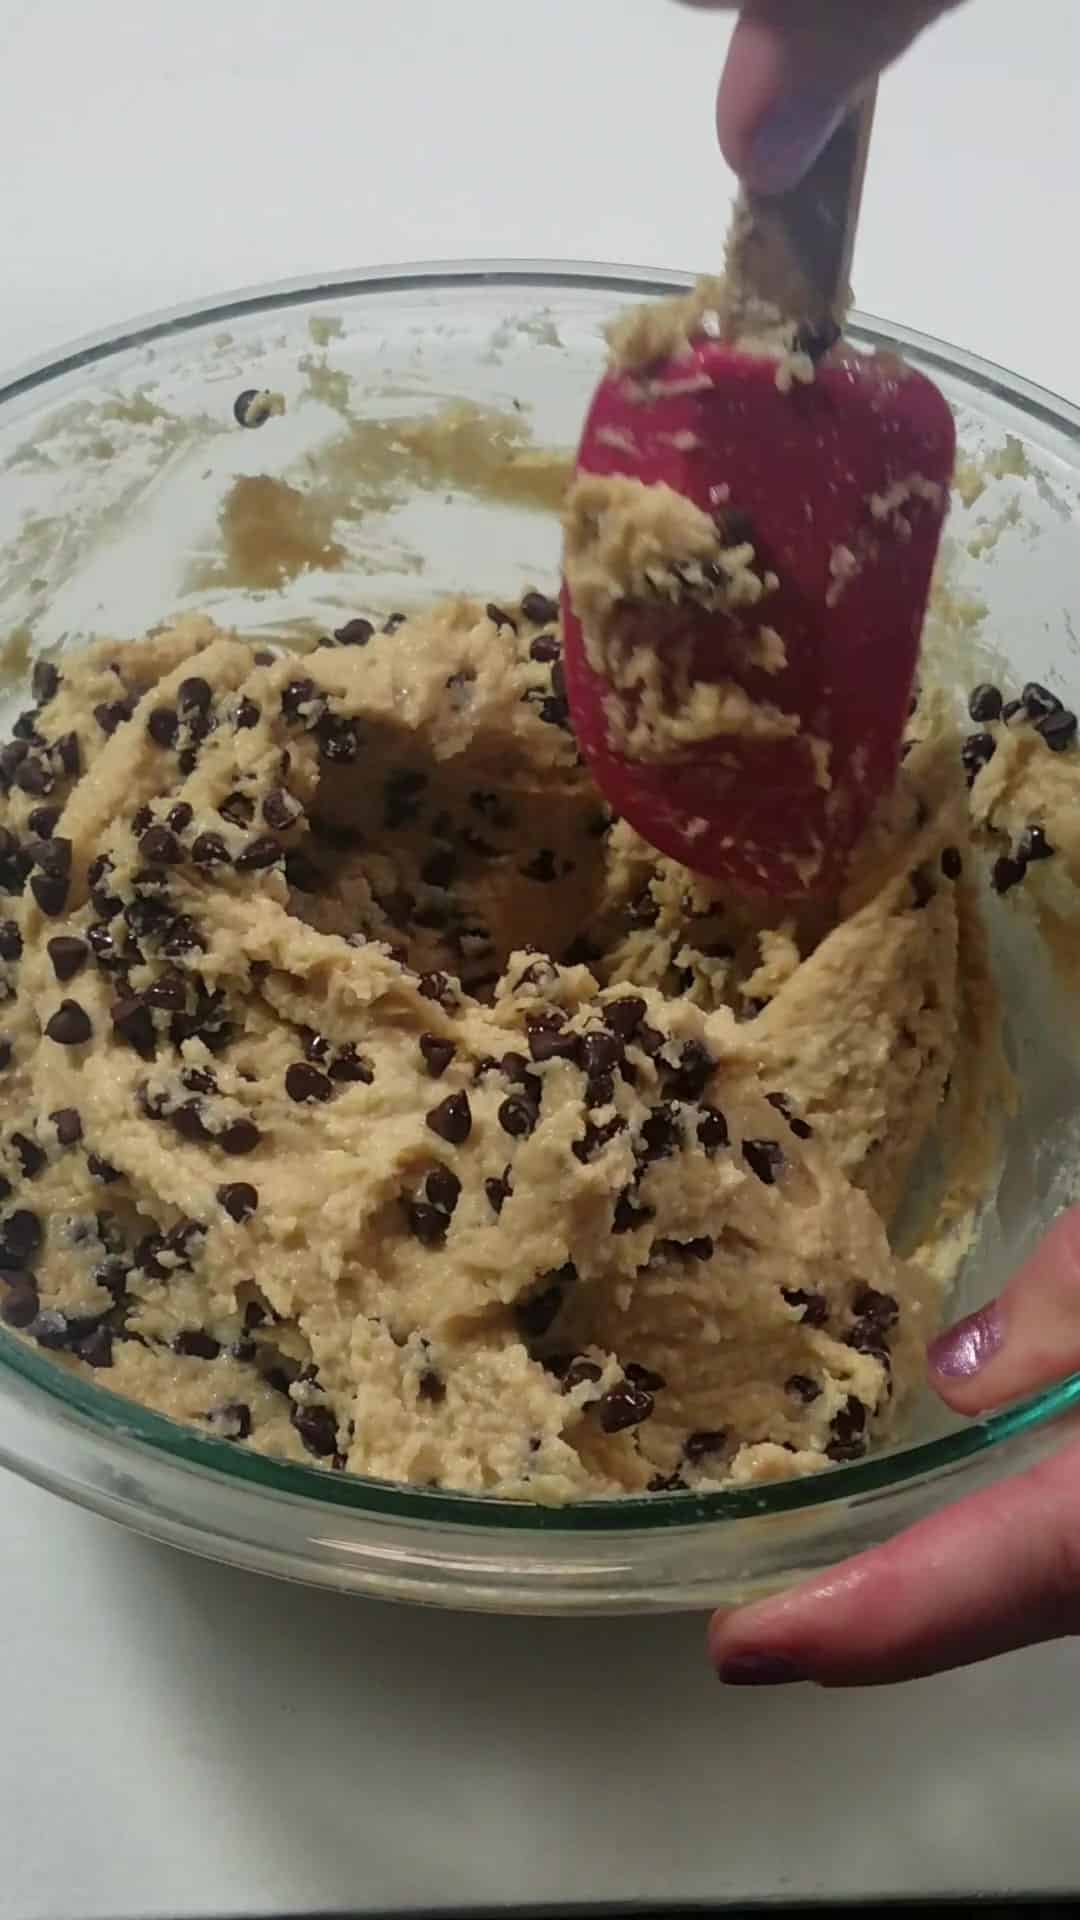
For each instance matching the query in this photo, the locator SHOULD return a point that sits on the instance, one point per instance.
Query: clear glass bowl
(116, 460)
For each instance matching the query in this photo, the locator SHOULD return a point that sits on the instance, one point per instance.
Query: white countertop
(179, 1739)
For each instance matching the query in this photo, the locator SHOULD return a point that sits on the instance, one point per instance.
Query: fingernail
(788, 142)
(963, 1350)
(758, 1670)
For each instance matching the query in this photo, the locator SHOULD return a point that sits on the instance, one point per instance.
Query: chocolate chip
(280, 810)
(452, 1118)
(182, 937)
(162, 726)
(317, 1428)
(394, 621)
(5, 1055)
(160, 848)
(427, 1224)
(922, 887)
(339, 740)
(871, 1304)
(598, 1052)
(306, 1085)
(351, 1068)
(815, 1307)
(20, 1238)
(239, 1200)
(952, 863)
(548, 1037)
(11, 944)
(66, 750)
(624, 1406)
(34, 777)
(578, 1372)
(765, 1158)
(42, 821)
(53, 856)
(661, 1133)
(302, 703)
(259, 854)
(443, 1189)
(240, 1136)
(1033, 845)
(437, 1053)
(238, 809)
(437, 986)
(230, 1421)
(538, 608)
(111, 714)
(689, 1079)
(100, 1169)
(96, 1347)
(848, 1432)
(555, 712)
(197, 1344)
(44, 681)
(498, 1191)
(194, 695)
(1058, 730)
(189, 1123)
(645, 1377)
(801, 1387)
(355, 633)
(978, 749)
(51, 892)
(209, 850)
(1038, 701)
(517, 1116)
(169, 993)
(595, 1139)
(627, 1215)
(984, 702)
(599, 1090)
(68, 1124)
(31, 1157)
(19, 1306)
(70, 1025)
(706, 1440)
(1006, 873)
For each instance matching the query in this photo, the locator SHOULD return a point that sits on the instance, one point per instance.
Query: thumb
(1026, 1338)
(793, 69)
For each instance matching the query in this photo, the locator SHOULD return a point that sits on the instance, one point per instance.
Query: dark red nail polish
(758, 1670)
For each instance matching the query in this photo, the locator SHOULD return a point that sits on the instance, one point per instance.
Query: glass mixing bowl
(118, 461)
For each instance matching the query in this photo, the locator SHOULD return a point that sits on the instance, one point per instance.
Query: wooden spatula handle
(794, 249)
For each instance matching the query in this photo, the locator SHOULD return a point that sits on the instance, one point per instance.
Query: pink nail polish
(963, 1350)
(758, 1670)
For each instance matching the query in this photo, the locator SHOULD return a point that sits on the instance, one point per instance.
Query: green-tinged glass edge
(96, 1407)
(100, 1408)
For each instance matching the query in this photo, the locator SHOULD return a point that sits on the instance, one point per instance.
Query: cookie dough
(373, 1098)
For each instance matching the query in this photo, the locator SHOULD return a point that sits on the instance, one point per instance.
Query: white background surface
(178, 1739)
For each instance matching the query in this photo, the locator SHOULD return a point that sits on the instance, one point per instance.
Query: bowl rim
(95, 1406)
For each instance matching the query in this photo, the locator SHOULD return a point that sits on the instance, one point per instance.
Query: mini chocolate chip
(209, 850)
(661, 1133)
(443, 1189)
(848, 1429)
(803, 1388)
(96, 1347)
(194, 695)
(11, 944)
(984, 702)
(42, 821)
(977, 750)
(44, 681)
(240, 1136)
(351, 1068)
(765, 1158)
(393, 622)
(317, 1429)
(198, 1080)
(645, 1377)
(239, 1200)
(162, 726)
(452, 1118)
(355, 633)
(182, 937)
(100, 1169)
(427, 1224)
(1058, 730)
(499, 618)
(31, 1157)
(437, 1053)
(595, 1139)
(922, 887)
(237, 809)
(624, 1406)
(1006, 873)
(578, 1372)
(111, 714)
(19, 1306)
(68, 1124)
(302, 703)
(70, 1025)
(66, 750)
(689, 1079)
(1038, 701)
(498, 1191)
(169, 993)
(952, 863)
(815, 1307)
(306, 1085)
(160, 848)
(187, 760)
(51, 892)
(188, 1122)
(870, 1304)
(705, 1441)
(1033, 845)
(259, 854)
(517, 1116)
(280, 810)
(538, 608)
(197, 1344)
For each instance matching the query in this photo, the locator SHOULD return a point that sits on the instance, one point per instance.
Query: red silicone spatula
(839, 484)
